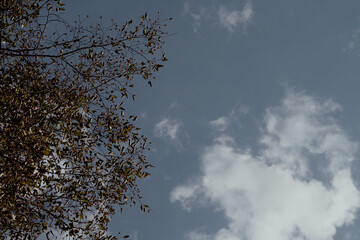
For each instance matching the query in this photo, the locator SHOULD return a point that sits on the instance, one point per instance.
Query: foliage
(68, 152)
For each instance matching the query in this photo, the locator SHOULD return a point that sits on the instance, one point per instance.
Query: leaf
(63, 115)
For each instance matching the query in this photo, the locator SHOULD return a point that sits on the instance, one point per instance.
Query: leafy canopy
(68, 152)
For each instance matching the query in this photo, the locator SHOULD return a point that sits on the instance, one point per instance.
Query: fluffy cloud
(231, 19)
(302, 130)
(275, 194)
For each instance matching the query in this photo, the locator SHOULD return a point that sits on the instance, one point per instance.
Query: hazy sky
(254, 120)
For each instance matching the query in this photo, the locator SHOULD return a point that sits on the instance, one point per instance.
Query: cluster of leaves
(68, 152)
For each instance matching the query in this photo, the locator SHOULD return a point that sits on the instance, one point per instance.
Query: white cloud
(353, 42)
(196, 235)
(216, 11)
(240, 109)
(175, 104)
(303, 126)
(185, 195)
(168, 129)
(231, 19)
(272, 195)
(196, 16)
(220, 124)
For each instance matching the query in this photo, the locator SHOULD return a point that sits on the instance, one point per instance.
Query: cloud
(232, 19)
(185, 195)
(303, 126)
(196, 16)
(352, 44)
(275, 194)
(220, 124)
(174, 104)
(196, 235)
(168, 129)
(217, 12)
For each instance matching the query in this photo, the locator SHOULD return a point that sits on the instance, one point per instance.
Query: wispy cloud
(196, 235)
(232, 19)
(174, 104)
(353, 40)
(167, 128)
(274, 194)
(196, 16)
(218, 13)
(185, 195)
(222, 124)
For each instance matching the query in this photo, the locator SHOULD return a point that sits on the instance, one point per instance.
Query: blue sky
(254, 120)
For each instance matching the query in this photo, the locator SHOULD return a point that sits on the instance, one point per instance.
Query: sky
(254, 120)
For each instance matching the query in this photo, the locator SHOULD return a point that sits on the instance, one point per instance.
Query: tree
(68, 152)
